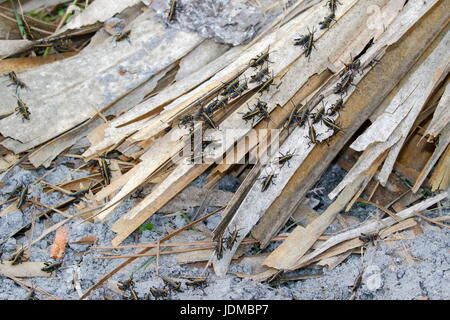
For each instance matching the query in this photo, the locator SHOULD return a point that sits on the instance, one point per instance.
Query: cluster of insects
(58, 43)
(226, 243)
(232, 90)
(305, 117)
(170, 285)
(22, 108)
(128, 285)
(347, 77)
(307, 40)
(51, 266)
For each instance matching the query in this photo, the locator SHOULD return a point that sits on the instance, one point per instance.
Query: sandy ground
(416, 267)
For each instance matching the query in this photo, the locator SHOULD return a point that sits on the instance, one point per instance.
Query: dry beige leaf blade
(441, 116)
(98, 11)
(25, 269)
(440, 180)
(10, 47)
(444, 142)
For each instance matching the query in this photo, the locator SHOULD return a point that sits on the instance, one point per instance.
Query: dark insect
(123, 36)
(171, 284)
(222, 102)
(77, 195)
(357, 283)
(353, 66)
(46, 43)
(260, 60)
(23, 109)
(265, 84)
(18, 257)
(373, 62)
(22, 197)
(197, 282)
(302, 118)
(251, 114)
(285, 158)
(327, 21)
(336, 107)
(312, 135)
(105, 171)
(259, 110)
(239, 90)
(51, 266)
(15, 193)
(330, 123)
(310, 44)
(126, 285)
(212, 107)
(133, 295)
(342, 87)
(230, 87)
(275, 277)
(332, 4)
(232, 238)
(302, 40)
(207, 119)
(259, 76)
(292, 116)
(318, 115)
(158, 293)
(23, 24)
(368, 237)
(31, 295)
(172, 10)
(219, 248)
(186, 121)
(267, 181)
(263, 112)
(216, 105)
(113, 154)
(306, 41)
(1, 253)
(15, 81)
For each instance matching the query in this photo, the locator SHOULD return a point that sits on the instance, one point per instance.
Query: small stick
(157, 259)
(50, 208)
(384, 209)
(433, 221)
(140, 255)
